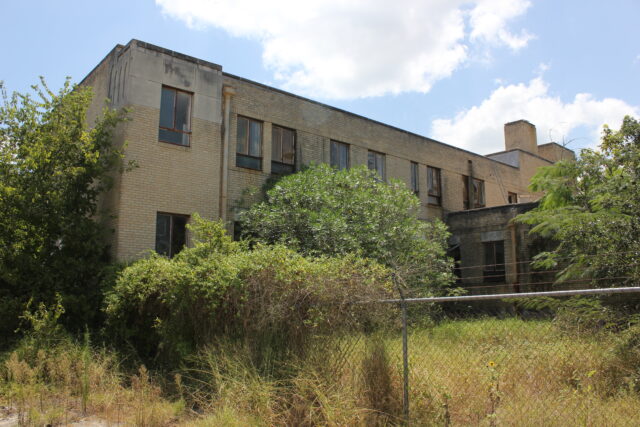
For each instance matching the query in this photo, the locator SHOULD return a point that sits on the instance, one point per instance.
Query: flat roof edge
(174, 54)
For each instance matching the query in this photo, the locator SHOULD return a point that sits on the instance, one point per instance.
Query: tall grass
(463, 372)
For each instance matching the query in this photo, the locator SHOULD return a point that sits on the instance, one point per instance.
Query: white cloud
(359, 48)
(480, 128)
(488, 22)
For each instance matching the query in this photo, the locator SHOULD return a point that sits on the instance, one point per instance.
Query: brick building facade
(201, 137)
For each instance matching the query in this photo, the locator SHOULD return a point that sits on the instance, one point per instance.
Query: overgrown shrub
(270, 296)
(325, 211)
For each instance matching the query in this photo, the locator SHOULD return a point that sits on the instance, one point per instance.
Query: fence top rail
(633, 289)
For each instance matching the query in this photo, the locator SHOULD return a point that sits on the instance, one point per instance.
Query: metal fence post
(405, 362)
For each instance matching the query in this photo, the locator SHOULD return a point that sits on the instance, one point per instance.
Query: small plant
(44, 329)
(494, 392)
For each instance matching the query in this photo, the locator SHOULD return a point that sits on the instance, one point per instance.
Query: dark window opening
(283, 150)
(339, 155)
(494, 270)
(512, 198)
(457, 261)
(434, 186)
(478, 193)
(175, 116)
(171, 233)
(237, 230)
(375, 161)
(249, 144)
(415, 181)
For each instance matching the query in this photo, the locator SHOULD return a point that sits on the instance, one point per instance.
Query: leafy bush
(270, 296)
(324, 211)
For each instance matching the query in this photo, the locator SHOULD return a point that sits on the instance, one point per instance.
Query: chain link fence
(556, 358)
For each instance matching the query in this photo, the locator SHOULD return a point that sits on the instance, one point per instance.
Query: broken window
(494, 261)
(249, 144)
(171, 233)
(339, 155)
(375, 161)
(478, 193)
(283, 150)
(175, 116)
(434, 186)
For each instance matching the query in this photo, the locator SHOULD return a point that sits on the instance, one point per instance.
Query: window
(415, 181)
(339, 155)
(171, 233)
(249, 144)
(237, 231)
(283, 150)
(434, 186)
(478, 193)
(494, 261)
(375, 161)
(512, 197)
(175, 116)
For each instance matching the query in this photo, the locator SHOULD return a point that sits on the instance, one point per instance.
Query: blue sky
(454, 70)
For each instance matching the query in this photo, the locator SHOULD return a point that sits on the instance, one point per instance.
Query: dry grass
(477, 372)
(61, 385)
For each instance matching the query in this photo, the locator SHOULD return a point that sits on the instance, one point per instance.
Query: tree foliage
(591, 207)
(52, 170)
(326, 211)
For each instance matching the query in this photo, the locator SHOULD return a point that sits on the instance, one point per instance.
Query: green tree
(53, 168)
(591, 208)
(324, 211)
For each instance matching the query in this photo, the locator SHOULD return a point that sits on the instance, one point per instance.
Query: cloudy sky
(452, 70)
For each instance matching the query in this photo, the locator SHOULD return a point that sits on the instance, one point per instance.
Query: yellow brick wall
(185, 180)
(316, 125)
(170, 178)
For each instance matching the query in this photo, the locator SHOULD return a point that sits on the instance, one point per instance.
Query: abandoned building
(201, 136)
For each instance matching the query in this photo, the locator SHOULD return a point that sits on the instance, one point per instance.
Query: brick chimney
(520, 134)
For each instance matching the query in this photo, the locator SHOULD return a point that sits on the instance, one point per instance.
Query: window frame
(512, 198)
(172, 217)
(476, 193)
(247, 143)
(434, 198)
(496, 271)
(415, 178)
(175, 105)
(280, 164)
(332, 161)
(377, 155)
(466, 202)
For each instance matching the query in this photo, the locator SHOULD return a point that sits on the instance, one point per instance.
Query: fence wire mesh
(553, 361)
